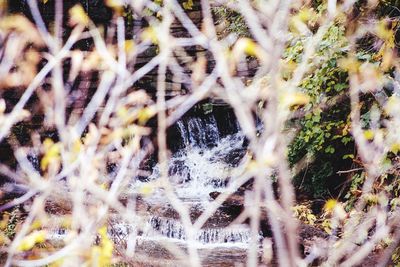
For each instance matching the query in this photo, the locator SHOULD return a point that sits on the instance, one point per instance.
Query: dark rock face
(98, 12)
(96, 9)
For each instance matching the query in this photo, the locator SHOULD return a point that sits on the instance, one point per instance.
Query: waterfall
(183, 133)
(173, 229)
(158, 227)
(207, 161)
(199, 132)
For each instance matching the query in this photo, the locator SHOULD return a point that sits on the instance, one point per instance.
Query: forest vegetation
(95, 97)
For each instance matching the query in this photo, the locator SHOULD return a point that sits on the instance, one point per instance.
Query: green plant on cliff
(230, 21)
(324, 125)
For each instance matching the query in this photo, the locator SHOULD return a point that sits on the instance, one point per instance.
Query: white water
(206, 164)
(171, 229)
(203, 166)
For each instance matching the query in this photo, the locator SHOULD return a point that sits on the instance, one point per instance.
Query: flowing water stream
(204, 161)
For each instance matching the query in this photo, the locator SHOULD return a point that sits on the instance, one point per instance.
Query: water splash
(205, 163)
(197, 170)
(173, 229)
(159, 227)
(198, 132)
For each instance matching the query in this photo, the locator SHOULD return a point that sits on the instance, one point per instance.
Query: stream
(207, 152)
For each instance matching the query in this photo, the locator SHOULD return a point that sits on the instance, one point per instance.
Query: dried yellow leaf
(77, 146)
(102, 254)
(395, 148)
(350, 64)
(145, 114)
(306, 14)
(31, 240)
(117, 5)
(385, 33)
(52, 153)
(294, 99)
(22, 25)
(129, 45)
(249, 47)
(369, 134)
(78, 16)
(330, 205)
(147, 189)
(188, 5)
(150, 34)
(36, 224)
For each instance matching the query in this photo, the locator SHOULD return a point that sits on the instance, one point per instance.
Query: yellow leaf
(122, 113)
(52, 153)
(392, 106)
(104, 186)
(350, 64)
(102, 254)
(395, 148)
(36, 224)
(311, 219)
(249, 47)
(4, 240)
(147, 189)
(188, 5)
(21, 24)
(78, 16)
(129, 45)
(4, 221)
(145, 114)
(330, 205)
(385, 34)
(369, 134)
(31, 240)
(293, 99)
(150, 34)
(45, 1)
(306, 14)
(326, 224)
(117, 5)
(387, 58)
(371, 198)
(77, 146)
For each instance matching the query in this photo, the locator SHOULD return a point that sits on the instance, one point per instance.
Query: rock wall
(102, 15)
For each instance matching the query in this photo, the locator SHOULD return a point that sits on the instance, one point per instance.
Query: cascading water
(173, 229)
(205, 163)
(205, 160)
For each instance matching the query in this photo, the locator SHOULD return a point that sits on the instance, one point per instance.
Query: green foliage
(356, 182)
(324, 128)
(231, 21)
(188, 5)
(11, 220)
(396, 256)
(304, 213)
(207, 108)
